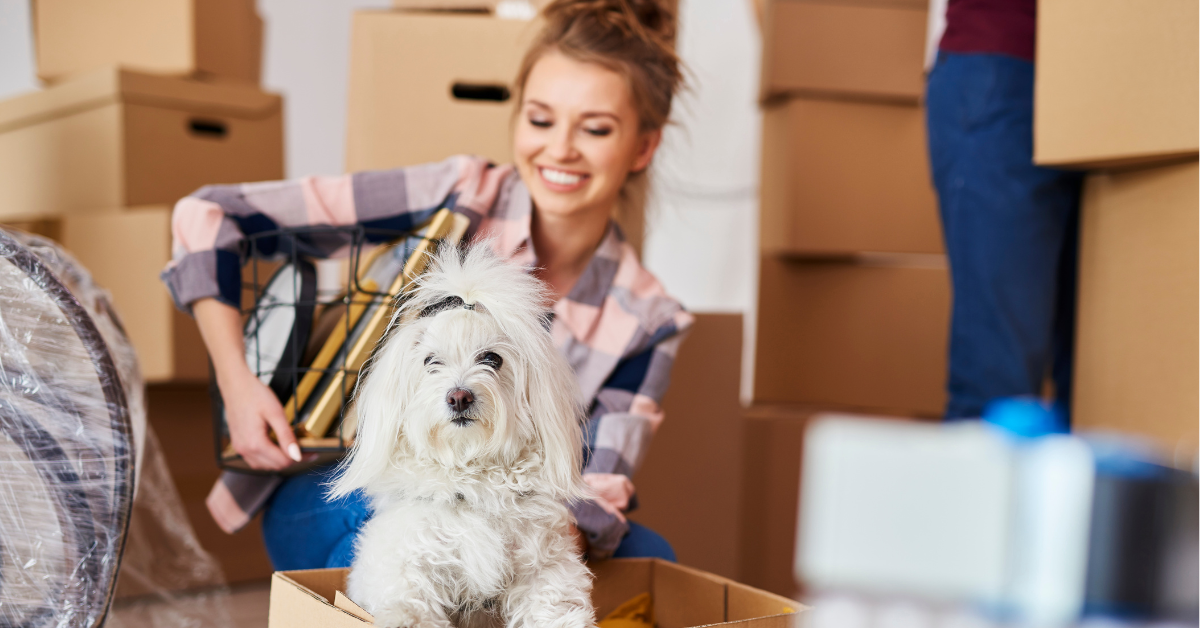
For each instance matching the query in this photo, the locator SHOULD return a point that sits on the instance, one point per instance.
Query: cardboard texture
(1136, 335)
(683, 597)
(211, 39)
(1116, 82)
(125, 250)
(873, 50)
(868, 333)
(843, 177)
(116, 138)
(689, 484)
(403, 113)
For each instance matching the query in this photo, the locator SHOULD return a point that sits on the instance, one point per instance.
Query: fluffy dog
(469, 446)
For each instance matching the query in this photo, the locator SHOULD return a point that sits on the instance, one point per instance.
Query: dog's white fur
(471, 523)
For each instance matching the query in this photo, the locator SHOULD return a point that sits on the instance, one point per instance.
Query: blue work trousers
(1011, 233)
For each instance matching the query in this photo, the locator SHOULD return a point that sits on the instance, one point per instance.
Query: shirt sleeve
(213, 227)
(624, 419)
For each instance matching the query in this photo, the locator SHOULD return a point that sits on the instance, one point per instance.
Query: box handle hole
(479, 91)
(208, 128)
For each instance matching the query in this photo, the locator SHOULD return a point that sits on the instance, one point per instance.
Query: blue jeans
(305, 531)
(1011, 231)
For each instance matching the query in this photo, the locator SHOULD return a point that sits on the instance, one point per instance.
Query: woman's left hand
(612, 488)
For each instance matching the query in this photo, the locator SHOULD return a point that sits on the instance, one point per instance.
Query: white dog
(469, 446)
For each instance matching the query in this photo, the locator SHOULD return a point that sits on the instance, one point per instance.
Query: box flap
(345, 603)
(114, 84)
(686, 597)
(744, 602)
(617, 581)
(296, 604)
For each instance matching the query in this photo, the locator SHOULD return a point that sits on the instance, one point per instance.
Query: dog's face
(465, 399)
(468, 376)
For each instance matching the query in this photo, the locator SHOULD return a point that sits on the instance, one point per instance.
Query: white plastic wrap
(74, 439)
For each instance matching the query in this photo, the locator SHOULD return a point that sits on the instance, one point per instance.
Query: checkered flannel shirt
(618, 328)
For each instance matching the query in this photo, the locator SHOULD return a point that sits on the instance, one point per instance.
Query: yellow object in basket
(636, 613)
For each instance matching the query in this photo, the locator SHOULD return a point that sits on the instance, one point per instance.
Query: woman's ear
(647, 144)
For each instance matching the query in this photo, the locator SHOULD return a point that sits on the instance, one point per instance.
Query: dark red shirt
(1000, 26)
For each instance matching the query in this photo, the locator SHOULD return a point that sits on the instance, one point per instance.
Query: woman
(595, 91)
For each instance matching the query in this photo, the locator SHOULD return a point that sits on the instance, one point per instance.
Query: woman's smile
(562, 181)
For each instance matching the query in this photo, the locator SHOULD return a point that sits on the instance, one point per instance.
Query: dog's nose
(460, 399)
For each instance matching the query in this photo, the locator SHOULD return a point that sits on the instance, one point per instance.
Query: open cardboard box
(683, 597)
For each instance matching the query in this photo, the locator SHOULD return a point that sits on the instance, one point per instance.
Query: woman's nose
(562, 144)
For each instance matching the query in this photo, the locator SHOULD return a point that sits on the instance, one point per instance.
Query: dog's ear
(381, 398)
(557, 415)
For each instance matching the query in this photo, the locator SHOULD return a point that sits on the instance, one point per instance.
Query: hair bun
(649, 20)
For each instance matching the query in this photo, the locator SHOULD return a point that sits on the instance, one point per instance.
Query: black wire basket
(307, 347)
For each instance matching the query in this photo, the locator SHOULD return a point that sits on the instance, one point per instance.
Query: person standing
(1010, 227)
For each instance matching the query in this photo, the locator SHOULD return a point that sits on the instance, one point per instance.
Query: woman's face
(576, 138)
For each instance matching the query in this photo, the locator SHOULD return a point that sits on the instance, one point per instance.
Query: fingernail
(294, 452)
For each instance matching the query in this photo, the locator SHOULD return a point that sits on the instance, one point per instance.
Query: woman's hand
(251, 409)
(613, 489)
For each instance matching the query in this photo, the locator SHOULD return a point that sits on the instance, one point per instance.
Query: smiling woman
(595, 91)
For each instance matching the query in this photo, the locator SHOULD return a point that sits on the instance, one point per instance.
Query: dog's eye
(491, 359)
(430, 361)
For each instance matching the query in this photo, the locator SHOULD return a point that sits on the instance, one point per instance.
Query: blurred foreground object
(72, 396)
(1042, 530)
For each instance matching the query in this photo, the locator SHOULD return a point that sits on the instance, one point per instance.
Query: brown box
(864, 49)
(1136, 339)
(125, 250)
(841, 177)
(689, 484)
(866, 334)
(115, 138)
(211, 39)
(404, 70)
(1116, 82)
(682, 597)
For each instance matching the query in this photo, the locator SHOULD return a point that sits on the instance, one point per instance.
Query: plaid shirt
(618, 328)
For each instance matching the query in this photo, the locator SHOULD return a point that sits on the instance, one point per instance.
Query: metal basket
(316, 368)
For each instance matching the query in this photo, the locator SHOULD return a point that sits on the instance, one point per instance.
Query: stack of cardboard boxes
(854, 292)
(144, 101)
(1117, 93)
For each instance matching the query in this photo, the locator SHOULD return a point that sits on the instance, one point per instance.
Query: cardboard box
(125, 250)
(868, 333)
(211, 39)
(873, 50)
(1116, 82)
(424, 86)
(842, 177)
(1136, 336)
(689, 485)
(116, 138)
(682, 597)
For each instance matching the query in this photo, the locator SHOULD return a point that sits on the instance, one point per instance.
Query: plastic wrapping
(74, 446)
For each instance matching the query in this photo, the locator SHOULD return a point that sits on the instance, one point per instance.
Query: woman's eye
(601, 132)
(544, 124)
(491, 359)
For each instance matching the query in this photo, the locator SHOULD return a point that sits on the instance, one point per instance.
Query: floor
(246, 605)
